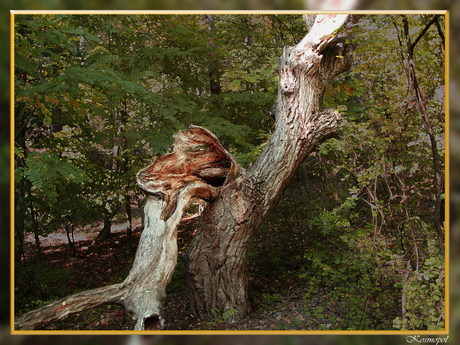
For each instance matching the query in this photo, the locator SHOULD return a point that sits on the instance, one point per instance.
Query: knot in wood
(288, 80)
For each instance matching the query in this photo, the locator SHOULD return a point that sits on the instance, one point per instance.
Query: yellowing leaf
(349, 91)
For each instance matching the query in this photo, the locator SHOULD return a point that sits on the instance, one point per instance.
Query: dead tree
(239, 199)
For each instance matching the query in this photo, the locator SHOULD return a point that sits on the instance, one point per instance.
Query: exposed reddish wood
(197, 156)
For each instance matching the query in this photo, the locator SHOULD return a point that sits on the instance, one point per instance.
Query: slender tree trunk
(214, 74)
(404, 297)
(19, 226)
(35, 229)
(71, 241)
(429, 128)
(216, 260)
(129, 227)
(19, 247)
(23, 186)
(106, 230)
(124, 167)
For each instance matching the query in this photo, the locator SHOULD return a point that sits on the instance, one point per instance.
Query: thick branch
(156, 256)
(305, 72)
(64, 307)
(425, 29)
(440, 32)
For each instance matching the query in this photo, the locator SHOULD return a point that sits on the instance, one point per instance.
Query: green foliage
(361, 206)
(216, 318)
(425, 306)
(44, 170)
(97, 97)
(357, 278)
(271, 301)
(42, 283)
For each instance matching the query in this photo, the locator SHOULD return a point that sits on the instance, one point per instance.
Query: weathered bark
(216, 260)
(196, 168)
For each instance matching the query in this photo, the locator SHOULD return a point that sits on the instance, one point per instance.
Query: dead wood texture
(239, 199)
(196, 167)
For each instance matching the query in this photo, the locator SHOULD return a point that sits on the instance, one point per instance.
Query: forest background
(250, 150)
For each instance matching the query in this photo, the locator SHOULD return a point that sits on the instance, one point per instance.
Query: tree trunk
(35, 229)
(129, 226)
(106, 230)
(69, 230)
(216, 260)
(413, 82)
(214, 75)
(19, 226)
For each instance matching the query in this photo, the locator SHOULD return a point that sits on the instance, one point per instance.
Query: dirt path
(87, 233)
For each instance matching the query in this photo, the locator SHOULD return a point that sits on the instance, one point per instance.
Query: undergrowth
(333, 252)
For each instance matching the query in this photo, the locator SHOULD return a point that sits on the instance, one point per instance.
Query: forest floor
(277, 303)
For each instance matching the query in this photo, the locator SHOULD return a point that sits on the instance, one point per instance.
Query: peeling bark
(216, 260)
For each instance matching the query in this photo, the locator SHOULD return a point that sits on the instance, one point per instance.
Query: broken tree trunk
(239, 200)
(196, 168)
(215, 263)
